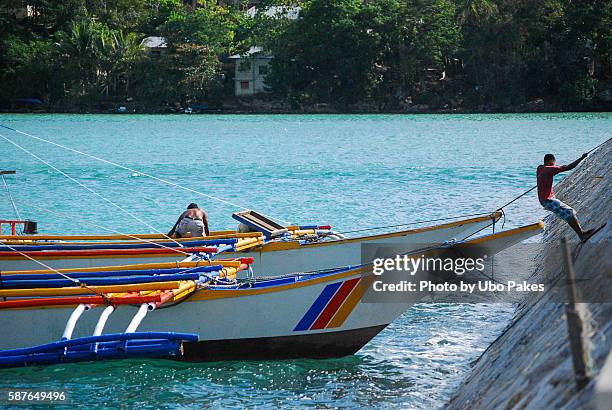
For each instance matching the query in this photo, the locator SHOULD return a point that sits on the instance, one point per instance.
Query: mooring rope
(8, 191)
(165, 181)
(535, 186)
(89, 189)
(242, 207)
(500, 209)
(179, 250)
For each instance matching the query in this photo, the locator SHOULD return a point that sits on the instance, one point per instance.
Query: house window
(263, 70)
(244, 85)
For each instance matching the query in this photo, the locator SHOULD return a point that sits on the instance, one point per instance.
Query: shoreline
(304, 112)
(269, 105)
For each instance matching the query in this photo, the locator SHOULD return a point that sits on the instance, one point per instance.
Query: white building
(288, 12)
(24, 11)
(155, 45)
(250, 71)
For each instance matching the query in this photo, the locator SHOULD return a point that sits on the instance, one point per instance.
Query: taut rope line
(8, 191)
(501, 208)
(535, 186)
(165, 181)
(88, 189)
(161, 245)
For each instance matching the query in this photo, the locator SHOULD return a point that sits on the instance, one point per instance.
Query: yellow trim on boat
(206, 294)
(278, 246)
(90, 290)
(533, 227)
(143, 266)
(281, 246)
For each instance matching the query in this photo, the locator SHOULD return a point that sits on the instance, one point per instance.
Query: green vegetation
(389, 55)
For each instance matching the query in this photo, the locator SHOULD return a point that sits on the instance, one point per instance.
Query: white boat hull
(325, 316)
(225, 325)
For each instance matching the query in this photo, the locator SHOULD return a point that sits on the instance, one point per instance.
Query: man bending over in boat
(192, 222)
(546, 194)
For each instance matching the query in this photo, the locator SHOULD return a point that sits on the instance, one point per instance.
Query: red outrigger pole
(13, 224)
(77, 300)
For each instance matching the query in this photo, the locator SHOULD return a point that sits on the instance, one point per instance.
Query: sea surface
(350, 171)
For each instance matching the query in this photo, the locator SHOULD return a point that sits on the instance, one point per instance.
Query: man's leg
(575, 225)
(568, 214)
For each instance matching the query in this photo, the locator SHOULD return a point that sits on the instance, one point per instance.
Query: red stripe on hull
(334, 304)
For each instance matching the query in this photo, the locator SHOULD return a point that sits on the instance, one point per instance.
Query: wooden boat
(305, 248)
(315, 315)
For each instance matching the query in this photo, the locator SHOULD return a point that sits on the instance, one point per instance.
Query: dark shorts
(562, 210)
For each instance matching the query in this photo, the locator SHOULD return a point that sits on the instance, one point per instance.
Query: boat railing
(28, 227)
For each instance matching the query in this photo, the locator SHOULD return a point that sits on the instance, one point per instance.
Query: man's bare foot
(587, 234)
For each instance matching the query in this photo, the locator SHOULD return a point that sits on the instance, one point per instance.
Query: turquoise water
(351, 171)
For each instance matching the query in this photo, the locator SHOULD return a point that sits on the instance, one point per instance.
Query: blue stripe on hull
(317, 307)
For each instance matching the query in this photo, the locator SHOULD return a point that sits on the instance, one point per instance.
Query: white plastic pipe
(72, 320)
(142, 312)
(102, 320)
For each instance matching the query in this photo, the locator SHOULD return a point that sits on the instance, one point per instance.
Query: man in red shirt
(546, 194)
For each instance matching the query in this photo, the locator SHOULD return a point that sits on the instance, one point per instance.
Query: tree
(476, 9)
(584, 40)
(78, 49)
(341, 52)
(27, 69)
(118, 53)
(326, 55)
(413, 36)
(210, 25)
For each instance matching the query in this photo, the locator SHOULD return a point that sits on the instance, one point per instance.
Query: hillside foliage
(389, 53)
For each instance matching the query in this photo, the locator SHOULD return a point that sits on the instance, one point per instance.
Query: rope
(165, 181)
(242, 207)
(593, 149)
(40, 208)
(535, 186)
(8, 191)
(501, 208)
(517, 198)
(89, 189)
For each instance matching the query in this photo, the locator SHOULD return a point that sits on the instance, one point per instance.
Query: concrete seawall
(530, 364)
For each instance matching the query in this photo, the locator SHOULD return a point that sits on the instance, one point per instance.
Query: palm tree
(78, 47)
(99, 56)
(117, 53)
(126, 51)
